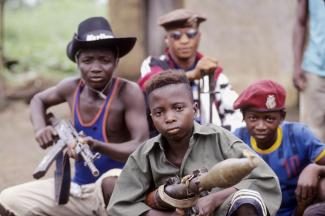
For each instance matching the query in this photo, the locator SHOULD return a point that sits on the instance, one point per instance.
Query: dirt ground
(19, 152)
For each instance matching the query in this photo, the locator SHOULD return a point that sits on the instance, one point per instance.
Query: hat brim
(124, 45)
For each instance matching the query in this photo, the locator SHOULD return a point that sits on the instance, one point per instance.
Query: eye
(157, 113)
(251, 118)
(191, 33)
(179, 108)
(176, 35)
(86, 60)
(106, 60)
(269, 119)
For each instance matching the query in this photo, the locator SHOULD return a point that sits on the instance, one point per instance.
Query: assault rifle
(67, 135)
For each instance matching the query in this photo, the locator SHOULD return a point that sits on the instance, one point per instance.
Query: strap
(62, 179)
(177, 203)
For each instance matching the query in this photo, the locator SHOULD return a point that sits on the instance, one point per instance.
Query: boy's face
(183, 42)
(96, 67)
(263, 125)
(172, 111)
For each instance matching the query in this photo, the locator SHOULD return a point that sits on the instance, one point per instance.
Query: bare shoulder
(130, 91)
(67, 85)
(129, 87)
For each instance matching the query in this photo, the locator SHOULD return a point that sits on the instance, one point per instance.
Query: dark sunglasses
(176, 35)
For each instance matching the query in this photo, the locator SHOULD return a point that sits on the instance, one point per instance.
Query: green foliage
(37, 36)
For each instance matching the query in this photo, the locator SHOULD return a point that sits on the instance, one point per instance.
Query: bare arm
(39, 104)
(299, 37)
(136, 121)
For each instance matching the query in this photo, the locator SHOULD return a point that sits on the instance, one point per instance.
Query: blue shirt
(96, 129)
(294, 149)
(314, 56)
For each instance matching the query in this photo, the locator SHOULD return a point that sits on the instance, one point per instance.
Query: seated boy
(183, 146)
(290, 149)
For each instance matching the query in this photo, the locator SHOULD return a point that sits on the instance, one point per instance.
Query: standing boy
(309, 63)
(182, 146)
(109, 110)
(210, 86)
(290, 149)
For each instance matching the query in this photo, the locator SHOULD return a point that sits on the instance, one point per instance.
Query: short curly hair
(165, 78)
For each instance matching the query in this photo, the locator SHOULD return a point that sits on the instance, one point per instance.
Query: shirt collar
(198, 131)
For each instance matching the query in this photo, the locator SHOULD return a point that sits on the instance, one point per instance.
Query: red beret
(263, 96)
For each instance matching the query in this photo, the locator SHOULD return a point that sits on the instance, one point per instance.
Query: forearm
(220, 196)
(117, 151)
(299, 33)
(191, 75)
(37, 113)
(320, 169)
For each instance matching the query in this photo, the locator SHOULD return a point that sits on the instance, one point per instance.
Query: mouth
(185, 49)
(260, 136)
(173, 130)
(96, 79)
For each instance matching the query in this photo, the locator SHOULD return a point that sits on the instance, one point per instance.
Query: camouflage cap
(180, 18)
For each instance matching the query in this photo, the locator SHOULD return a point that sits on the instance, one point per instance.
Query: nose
(260, 125)
(169, 117)
(184, 38)
(95, 67)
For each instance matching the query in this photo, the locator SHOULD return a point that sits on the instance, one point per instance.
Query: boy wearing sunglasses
(210, 87)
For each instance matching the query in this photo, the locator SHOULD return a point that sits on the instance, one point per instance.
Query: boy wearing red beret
(289, 148)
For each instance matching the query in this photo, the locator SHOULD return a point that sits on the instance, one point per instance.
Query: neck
(99, 93)
(179, 147)
(268, 143)
(183, 63)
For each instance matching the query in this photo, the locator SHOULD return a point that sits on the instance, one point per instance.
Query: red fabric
(264, 95)
(156, 69)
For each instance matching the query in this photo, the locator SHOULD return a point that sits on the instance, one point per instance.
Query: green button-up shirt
(149, 168)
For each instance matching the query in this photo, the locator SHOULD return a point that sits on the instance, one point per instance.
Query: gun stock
(49, 158)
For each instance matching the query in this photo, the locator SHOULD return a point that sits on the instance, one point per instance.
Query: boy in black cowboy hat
(109, 110)
(210, 87)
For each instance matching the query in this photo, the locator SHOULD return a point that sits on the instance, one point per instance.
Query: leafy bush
(37, 35)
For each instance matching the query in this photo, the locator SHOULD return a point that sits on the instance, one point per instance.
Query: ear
(283, 115)
(195, 109)
(116, 61)
(166, 41)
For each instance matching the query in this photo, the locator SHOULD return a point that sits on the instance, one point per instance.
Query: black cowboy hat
(97, 32)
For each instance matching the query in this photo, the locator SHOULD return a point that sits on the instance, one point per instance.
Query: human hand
(205, 66)
(45, 136)
(307, 183)
(179, 212)
(206, 205)
(299, 80)
(83, 140)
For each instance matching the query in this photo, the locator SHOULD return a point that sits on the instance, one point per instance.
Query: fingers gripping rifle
(67, 135)
(184, 193)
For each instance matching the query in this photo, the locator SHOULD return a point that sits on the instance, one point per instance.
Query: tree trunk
(2, 81)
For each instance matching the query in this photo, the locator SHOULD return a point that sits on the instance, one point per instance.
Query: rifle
(184, 193)
(67, 135)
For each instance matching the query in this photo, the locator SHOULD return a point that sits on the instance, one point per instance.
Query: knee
(108, 187)
(7, 197)
(246, 210)
(315, 210)
(7, 201)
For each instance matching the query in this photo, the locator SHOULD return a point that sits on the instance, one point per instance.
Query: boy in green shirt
(183, 146)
